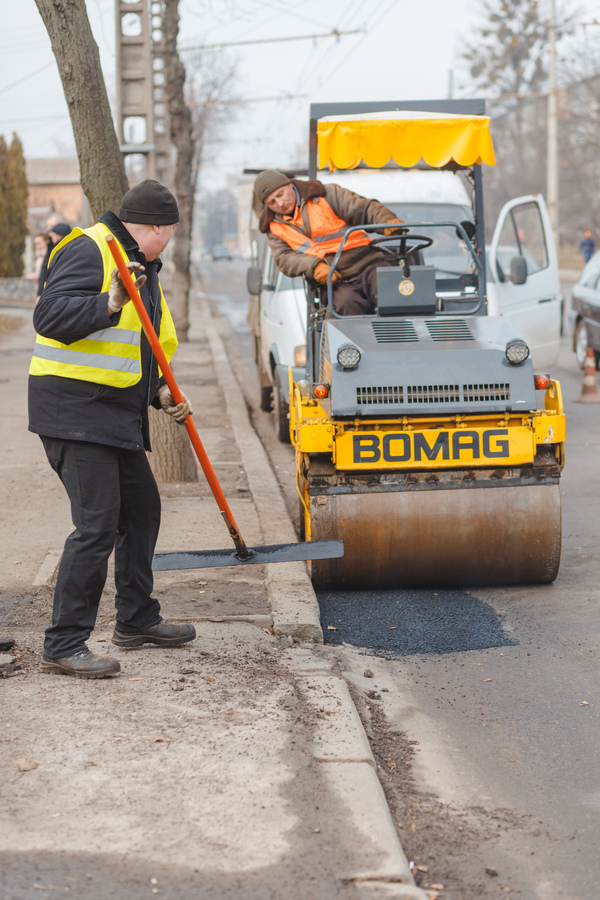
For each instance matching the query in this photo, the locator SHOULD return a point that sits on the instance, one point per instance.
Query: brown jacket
(352, 208)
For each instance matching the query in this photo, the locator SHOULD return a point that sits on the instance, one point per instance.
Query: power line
(321, 76)
(36, 119)
(301, 37)
(288, 12)
(348, 12)
(26, 77)
(246, 100)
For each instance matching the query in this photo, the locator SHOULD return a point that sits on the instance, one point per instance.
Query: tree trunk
(101, 164)
(172, 459)
(181, 133)
(104, 180)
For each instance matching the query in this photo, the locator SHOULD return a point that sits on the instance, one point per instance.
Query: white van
(278, 305)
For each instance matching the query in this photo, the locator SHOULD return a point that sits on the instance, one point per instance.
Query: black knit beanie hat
(149, 203)
(61, 228)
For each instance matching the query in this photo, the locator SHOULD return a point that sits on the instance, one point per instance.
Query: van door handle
(546, 300)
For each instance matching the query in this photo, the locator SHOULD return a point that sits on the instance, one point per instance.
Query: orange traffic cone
(589, 389)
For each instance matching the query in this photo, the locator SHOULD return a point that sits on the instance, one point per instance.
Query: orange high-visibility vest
(327, 230)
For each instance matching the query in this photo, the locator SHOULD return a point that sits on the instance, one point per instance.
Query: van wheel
(266, 397)
(281, 411)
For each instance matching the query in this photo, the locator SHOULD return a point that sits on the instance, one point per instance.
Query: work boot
(165, 634)
(83, 664)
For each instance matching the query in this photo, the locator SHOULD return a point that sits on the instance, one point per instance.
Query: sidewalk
(232, 767)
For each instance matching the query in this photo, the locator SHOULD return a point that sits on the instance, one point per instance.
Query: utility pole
(552, 184)
(141, 109)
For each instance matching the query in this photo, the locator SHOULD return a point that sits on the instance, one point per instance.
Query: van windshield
(448, 252)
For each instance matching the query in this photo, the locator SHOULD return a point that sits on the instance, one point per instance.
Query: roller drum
(435, 538)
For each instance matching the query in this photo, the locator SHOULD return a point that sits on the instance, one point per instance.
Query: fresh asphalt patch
(396, 623)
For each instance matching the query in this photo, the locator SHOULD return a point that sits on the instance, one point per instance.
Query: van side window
(286, 283)
(523, 235)
(273, 272)
(270, 271)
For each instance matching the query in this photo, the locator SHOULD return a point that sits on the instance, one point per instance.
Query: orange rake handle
(242, 550)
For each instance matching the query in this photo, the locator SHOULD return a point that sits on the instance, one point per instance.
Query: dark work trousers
(114, 503)
(358, 297)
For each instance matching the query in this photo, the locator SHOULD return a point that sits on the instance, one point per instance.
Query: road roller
(424, 438)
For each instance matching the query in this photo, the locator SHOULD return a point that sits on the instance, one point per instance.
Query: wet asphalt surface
(502, 684)
(394, 623)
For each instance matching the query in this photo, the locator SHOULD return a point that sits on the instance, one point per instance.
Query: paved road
(500, 688)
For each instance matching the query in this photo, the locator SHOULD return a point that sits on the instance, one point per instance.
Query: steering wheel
(417, 242)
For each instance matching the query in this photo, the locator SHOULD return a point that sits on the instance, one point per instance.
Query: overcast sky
(405, 50)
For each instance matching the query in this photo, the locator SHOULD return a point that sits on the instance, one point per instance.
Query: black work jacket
(71, 307)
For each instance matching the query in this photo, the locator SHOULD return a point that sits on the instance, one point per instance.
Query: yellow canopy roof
(406, 138)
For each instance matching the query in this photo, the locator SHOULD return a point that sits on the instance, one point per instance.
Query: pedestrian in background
(92, 378)
(55, 235)
(40, 246)
(587, 245)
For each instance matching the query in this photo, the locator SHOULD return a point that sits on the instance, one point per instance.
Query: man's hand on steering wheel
(389, 232)
(321, 271)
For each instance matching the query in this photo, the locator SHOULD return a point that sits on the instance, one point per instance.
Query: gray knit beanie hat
(265, 183)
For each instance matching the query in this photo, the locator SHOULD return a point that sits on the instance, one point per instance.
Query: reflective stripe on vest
(327, 230)
(110, 356)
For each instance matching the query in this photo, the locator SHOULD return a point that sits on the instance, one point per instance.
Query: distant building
(54, 186)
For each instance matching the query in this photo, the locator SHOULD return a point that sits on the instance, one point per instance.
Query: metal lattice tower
(141, 111)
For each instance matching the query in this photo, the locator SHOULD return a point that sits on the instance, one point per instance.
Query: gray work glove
(117, 293)
(179, 411)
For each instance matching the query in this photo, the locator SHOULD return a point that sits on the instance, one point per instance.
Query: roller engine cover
(415, 366)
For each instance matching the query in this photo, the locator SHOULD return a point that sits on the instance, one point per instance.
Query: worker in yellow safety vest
(91, 380)
(305, 221)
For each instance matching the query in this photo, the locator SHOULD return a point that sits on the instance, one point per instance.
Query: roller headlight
(516, 351)
(348, 356)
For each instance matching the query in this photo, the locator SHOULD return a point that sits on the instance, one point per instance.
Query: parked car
(585, 311)
(220, 251)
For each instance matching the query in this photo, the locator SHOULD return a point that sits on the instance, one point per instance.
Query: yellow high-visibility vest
(112, 355)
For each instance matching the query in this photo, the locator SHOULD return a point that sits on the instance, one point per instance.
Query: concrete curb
(291, 596)
(341, 746)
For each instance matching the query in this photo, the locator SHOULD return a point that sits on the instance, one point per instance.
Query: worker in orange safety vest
(305, 221)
